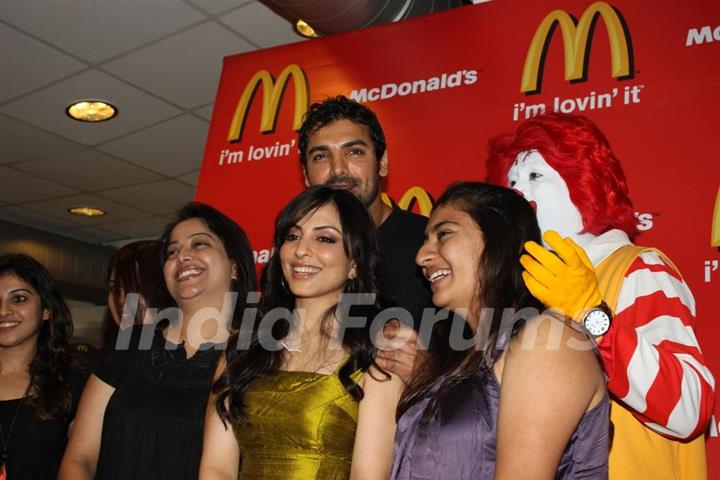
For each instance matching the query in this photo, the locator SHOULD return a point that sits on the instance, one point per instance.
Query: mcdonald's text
(414, 87)
(706, 34)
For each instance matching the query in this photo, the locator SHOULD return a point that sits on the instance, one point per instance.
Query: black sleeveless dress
(153, 423)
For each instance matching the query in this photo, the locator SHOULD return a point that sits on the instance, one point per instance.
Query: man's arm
(651, 354)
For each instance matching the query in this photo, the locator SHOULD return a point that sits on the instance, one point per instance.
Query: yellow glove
(565, 281)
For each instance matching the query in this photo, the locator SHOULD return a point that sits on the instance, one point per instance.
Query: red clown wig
(577, 149)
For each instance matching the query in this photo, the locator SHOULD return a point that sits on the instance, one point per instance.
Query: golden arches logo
(715, 235)
(273, 93)
(418, 194)
(576, 38)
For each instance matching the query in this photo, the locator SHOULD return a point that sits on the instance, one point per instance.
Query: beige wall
(87, 320)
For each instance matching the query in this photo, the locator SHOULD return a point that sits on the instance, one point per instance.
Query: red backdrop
(442, 85)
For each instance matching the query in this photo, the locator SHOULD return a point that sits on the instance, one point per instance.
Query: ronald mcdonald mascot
(632, 299)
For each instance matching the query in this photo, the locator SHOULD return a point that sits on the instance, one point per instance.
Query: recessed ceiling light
(304, 29)
(87, 211)
(91, 111)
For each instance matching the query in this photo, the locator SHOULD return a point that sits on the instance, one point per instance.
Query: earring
(350, 286)
(284, 285)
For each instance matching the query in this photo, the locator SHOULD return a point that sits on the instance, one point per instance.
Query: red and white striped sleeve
(651, 355)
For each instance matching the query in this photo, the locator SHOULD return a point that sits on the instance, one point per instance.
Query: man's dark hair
(338, 108)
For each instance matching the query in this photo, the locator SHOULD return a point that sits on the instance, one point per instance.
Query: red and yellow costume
(661, 387)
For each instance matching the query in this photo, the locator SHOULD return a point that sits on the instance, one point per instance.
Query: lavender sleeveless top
(451, 433)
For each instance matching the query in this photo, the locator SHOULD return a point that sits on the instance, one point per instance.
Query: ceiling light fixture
(305, 30)
(91, 111)
(87, 211)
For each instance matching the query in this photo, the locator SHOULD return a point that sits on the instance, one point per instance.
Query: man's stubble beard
(367, 198)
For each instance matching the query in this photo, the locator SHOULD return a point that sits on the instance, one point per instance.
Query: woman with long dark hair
(312, 404)
(141, 415)
(526, 398)
(40, 384)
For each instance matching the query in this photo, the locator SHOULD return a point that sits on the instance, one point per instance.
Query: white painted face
(547, 192)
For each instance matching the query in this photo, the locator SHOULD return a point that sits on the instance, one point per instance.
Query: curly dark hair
(338, 108)
(49, 393)
(506, 221)
(361, 245)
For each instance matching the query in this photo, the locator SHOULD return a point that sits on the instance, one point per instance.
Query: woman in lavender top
(528, 400)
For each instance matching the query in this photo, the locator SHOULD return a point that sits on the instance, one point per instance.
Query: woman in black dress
(141, 415)
(40, 383)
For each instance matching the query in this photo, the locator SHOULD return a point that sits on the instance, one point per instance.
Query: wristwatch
(597, 320)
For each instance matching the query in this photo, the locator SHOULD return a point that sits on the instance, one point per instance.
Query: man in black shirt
(342, 145)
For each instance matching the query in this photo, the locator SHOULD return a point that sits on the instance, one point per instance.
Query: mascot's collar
(603, 245)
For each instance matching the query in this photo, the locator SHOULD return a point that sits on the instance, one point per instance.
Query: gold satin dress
(302, 427)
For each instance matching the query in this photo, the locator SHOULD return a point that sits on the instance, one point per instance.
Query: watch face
(597, 322)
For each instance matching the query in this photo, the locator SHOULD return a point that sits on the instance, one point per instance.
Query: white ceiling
(158, 61)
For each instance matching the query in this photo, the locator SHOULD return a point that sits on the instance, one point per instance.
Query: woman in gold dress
(312, 405)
